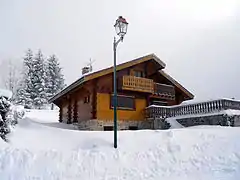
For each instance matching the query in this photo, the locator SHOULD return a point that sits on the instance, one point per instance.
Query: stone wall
(98, 125)
(210, 120)
(236, 121)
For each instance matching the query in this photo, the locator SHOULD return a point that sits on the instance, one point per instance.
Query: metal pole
(115, 93)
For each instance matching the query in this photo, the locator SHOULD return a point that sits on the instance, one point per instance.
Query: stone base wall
(210, 120)
(236, 121)
(158, 123)
(98, 125)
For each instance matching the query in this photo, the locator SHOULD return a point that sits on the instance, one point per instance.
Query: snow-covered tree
(40, 80)
(23, 94)
(8, 114)
(54, 77)
(38, 93)
(25, 86)
(10, 71)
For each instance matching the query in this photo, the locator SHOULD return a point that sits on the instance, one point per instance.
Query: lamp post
(121, 29)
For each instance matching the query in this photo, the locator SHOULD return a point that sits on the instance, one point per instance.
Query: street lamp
(121, 29)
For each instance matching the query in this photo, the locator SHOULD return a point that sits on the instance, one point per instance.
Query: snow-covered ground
(42, 149)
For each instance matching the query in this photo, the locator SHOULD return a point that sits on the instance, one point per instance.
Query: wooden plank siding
(99, 91)
(85, 108)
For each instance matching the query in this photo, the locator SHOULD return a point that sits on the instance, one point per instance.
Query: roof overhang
(188, 95)
(128, 64)
(106, 71)
(67, 89)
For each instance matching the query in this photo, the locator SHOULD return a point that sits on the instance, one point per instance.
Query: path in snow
(48, 118)
(37, 151)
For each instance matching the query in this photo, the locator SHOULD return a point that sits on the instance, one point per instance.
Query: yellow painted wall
(104, 112)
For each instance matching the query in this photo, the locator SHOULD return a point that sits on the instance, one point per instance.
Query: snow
(189, 102)
(48, 118)
(174, 124)
(39, 151)
(6, 93)
(232, 112)
(194, 101)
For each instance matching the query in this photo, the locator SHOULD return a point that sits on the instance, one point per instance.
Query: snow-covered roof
(189, 95)
(88, 76)
(95, 74)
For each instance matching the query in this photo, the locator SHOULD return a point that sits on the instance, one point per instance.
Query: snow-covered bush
(9, 114)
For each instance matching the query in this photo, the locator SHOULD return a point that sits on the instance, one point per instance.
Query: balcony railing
(140, 84)
(155, 112)
(164, 91)
(137, 84)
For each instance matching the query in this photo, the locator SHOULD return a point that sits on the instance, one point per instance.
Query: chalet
(141, 82)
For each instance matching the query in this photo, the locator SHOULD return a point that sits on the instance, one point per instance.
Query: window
(124, 102)
(139, 73)
(133, 128)
(108, 128)
(87, 99)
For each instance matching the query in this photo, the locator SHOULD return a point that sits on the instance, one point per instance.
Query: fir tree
(55, 80)
(40, 80)
(38, 94)
(25, 86)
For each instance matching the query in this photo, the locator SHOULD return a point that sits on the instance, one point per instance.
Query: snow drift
(38, 151)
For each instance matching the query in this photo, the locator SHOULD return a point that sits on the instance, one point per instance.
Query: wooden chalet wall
(75, 108)
(105, 89)
(64, 111)
(99, 91)
(84, 100)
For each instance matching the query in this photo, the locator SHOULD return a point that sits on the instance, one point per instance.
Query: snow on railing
(154, 111)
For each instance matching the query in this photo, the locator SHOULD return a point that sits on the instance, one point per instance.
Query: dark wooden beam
(69, 111)
(145, 69)
(75, 111)
(60, 114)
(94, 98)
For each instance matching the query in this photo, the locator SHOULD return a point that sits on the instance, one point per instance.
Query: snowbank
(232, 112)
(48, 118)
(37, 151)
(174, 124)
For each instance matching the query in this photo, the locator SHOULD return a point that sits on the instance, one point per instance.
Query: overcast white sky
(199, 40)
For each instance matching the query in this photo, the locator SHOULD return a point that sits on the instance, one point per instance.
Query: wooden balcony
(164, 91)
(139, 84)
